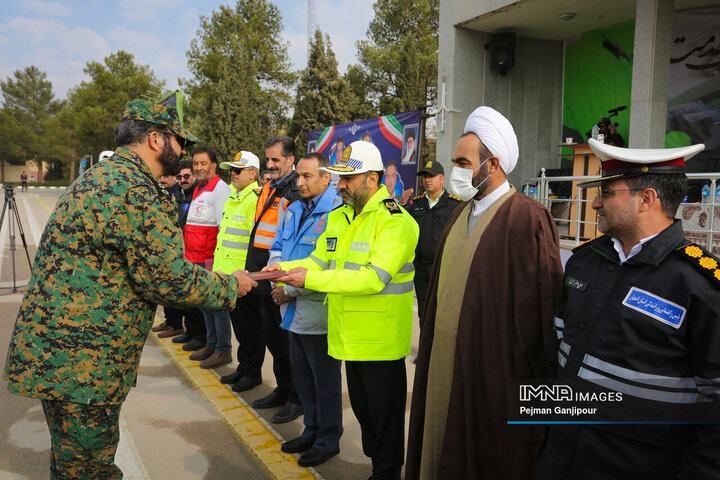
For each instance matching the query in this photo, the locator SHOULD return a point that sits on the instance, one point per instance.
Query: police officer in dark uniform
(639, 319)
(431, 211)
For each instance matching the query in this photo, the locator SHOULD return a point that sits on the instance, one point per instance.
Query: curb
(254, 432)
(19, 187)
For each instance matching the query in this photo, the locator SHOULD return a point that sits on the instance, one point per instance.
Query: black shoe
(246, 383)
(315, 456)
(272, 400)
(184, 338)
(297, 445)
(193, 345)
(231, 378)
(288, 413)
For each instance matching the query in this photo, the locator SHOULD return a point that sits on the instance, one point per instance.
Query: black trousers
(173, 317)
(194, 321)
(318, 383)
(264, 314)
(377, 392)
(421, 280)
(195, 324)
(248, 332)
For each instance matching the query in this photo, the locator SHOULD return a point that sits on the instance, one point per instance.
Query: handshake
(247, 281)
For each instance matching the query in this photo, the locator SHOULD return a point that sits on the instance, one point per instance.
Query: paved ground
(179, 422)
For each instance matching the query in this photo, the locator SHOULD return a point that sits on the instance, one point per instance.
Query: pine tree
(241, 74)
(400, 57)
(97, 104)
(360, 103)
(323, 96)
(27, 125)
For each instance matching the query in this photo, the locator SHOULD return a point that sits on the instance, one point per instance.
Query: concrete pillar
(651, 68)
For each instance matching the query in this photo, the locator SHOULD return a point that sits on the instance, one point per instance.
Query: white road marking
(127, 456)
(4, 236)
(32, 222)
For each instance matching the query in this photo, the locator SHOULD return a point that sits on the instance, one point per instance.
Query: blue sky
(60, 37)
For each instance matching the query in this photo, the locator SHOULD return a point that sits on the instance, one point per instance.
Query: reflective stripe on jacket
(267, 216)
(204, 216)
(365, 266)
(234, 236)
(307, 314)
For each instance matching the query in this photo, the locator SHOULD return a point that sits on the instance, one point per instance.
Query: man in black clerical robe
(488, 318)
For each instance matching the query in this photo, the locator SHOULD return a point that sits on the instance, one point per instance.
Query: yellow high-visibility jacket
(235, 226)
(365, 266)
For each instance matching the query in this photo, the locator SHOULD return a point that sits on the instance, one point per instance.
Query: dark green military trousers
(83, 440)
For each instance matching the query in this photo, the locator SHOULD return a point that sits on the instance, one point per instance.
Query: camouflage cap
(157, 113)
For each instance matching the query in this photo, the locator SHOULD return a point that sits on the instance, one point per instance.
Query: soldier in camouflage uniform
(111, 251)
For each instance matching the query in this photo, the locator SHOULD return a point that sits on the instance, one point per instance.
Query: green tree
(323, 96)
(97, 104)
(360, 105)
(400, 57)
(27, 117)
(241, 74)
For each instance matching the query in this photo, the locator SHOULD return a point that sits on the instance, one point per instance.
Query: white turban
(496, 133)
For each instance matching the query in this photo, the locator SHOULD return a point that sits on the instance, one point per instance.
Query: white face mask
(461, 181)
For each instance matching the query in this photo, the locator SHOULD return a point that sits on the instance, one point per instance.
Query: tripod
(12, 206)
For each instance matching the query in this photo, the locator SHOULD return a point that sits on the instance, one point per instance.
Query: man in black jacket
(431, 211)
(188, 184)
(637, 327)
(275, 197)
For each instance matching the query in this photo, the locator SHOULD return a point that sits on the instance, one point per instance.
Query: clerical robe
(489, 310)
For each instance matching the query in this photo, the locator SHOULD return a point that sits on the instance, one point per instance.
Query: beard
(359, 197)
(481, 180)
(168, 159)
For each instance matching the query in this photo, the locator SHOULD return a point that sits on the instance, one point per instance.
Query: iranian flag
(324, 140)
(391, 129)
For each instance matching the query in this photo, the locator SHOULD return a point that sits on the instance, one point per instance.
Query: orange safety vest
(269, 211)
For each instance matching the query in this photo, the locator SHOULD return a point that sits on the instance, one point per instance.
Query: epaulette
(703, 261)
(257, 191)
(392, 206)
(455, 197)
(586, 242)
(418, 197)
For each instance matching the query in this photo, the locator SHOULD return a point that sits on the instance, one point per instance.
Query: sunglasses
(236, 171)
(183, 142)
(185, 177)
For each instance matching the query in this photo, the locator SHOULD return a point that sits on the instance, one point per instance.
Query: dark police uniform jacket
(649, 329)
(432, 223)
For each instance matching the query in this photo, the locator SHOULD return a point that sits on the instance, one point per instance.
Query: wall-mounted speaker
(502, 52)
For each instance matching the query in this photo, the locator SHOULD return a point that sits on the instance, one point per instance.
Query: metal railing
(701, 221)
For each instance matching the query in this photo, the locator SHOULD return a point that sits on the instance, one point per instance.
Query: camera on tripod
(9, 205)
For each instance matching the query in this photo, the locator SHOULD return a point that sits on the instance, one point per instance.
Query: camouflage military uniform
(111, 251)
(84, 440)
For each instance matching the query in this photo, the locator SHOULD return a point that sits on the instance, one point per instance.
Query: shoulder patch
(257, 191)
(703, 261)
(392, 206)
(587, 242)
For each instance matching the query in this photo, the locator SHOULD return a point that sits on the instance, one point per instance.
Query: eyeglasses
(236, 171)
(605, 193)
(181, 177)
(183, 142)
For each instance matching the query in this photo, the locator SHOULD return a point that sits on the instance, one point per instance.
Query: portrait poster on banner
(396, 136)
